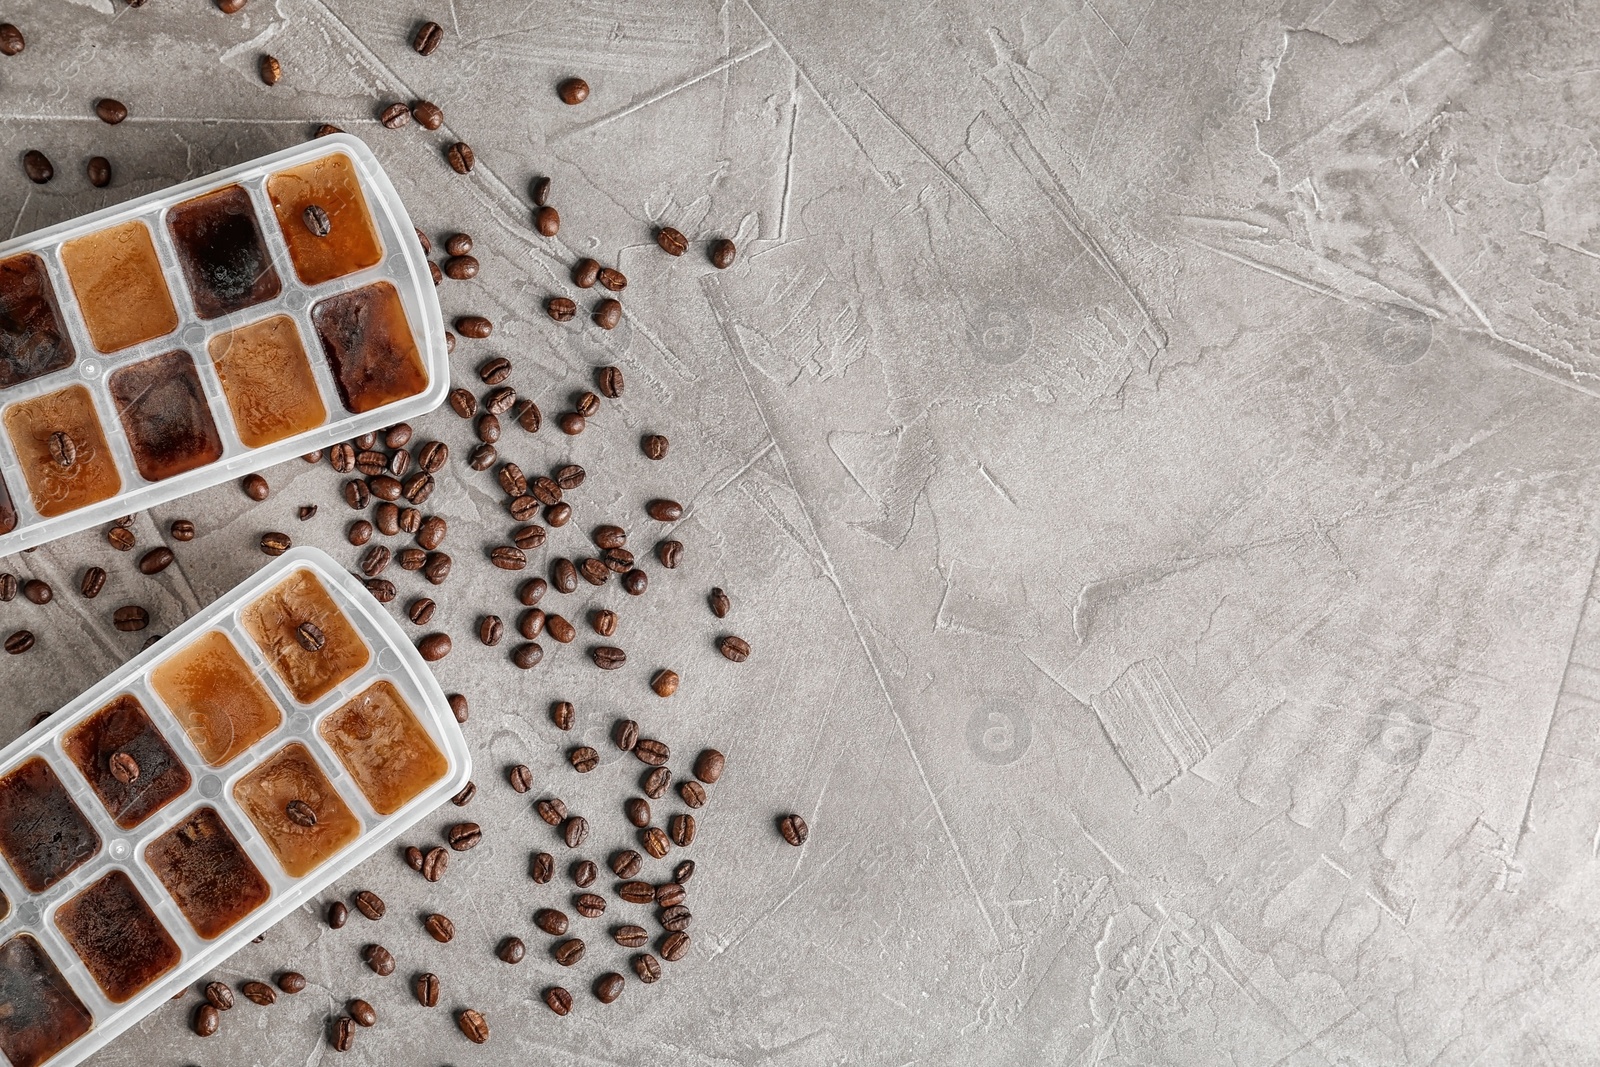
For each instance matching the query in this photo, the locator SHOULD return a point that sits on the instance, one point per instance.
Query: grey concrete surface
(1152, 450)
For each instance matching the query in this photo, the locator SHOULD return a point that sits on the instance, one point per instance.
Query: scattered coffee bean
(647, 967)
(259, 993)
(720, 604)
(593, 571)
(475, 326)
(306, 512)
(156, 560)
(589, 905)
(271, 70)
(440, 928)
(205, 1021)
(608, 987)
(338, 915)
(219, 996)
(656, 842)
(675, 946)
(458, 706)
(371, 462)
(375, 559)
(583, 759)
(120, 538)
(464, 836)
(654, 445)
(560, 629)
(273, 543)
(344, 1033)
(636, 892)
(508, 557)
(570, 476)
(431, 533)
(511, 950)
(604, 622)
(675, 918)
(607, 314)
(584, 275)
(568, 952)
(419, 487)
(586, 404)
(683, 872)
(12, 42)
(736, 649)
(94, 580)
(461, 268)
(438, 280)
(292, 982)
(609, 382)
(671, 241)
(573, 91)
(693, 793)
(36, 165)
(437, 570)
(62, 450)
(362, 1012)
(571, 423)
(637, 809)
(528, 538)
(98, 170)
(387, 516)
(547, 220)
(381, 589)
(426, 988)
(38, 591)
(370, 904)
(528, 655)
(460, 157)
(584, 873)
(542, 868)
(670, 554)
(665, 682)
(8, 587)
(575, 831)
(654, 782)
(655, 753)
(558, 514)
(635, 582)
(434, 647)
(488, 428)
(794, 829)
(490, 629)
(255, 487)
(414, 857)
(664, 510)
(463, 403)
(561, 308)
(410, 518)
(681, 829)
(395, 116)
(531, 624)
(19, 642)
(626, 863)
(670, 895)
(532, 591)
(500, 400)
(421, 611)
(380, 959)
(563, 575)
(613, 280)
(558, 1000)
(563, 715)
(552, 810)
(607, 657)
(482, 457)
(631, 936)
(722, 253)
(427, 39)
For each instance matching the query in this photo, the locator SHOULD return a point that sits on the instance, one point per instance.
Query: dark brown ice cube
(206, 871)
(224, 259)
(43, 835)
(124, 727)
(33, 340)
(117, 936)
(165, 414)
(42, 1014)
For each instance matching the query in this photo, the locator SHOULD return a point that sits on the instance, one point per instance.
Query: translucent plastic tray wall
(392, 658)
(402, 264)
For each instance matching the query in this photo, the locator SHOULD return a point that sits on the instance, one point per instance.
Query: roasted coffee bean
(573, 91)
(637, 809)
(720, 604)
(558, 1000)
(552, 810)
(458, 706)
(693, 793)
(356, 494)
(274, 543)
(584, 275)
(532, 591)
(542, 868)
(604, 622)
(528, 416)
(523, 508)
(460, 157)
(362, 1013)
(305, 512)
(36, 165)
(561, 308)
(428, 114)
(654, 445)
(432, 531)
(619, 560)
(583, 759)
(635, 582)
(375, 559)
(414, 857)
(654, 782)
(410, 520)
(62, 450)
(475, 326)
(124, 768)
(671, 241)
(608, 313)
(563, 715)
(342, 457)
(8, 587)
(683, 872)
(568, 952)
(681, 829)
(528, 655)
(438, 280)
(440, 928)
(560, 629)
(12, 43)
(558, 514)
(293, 982)
(508, 557)
(521, 778)
(395, 116)
(19, 642)
(398, 435)
(528, 538)
(647, 967)
(670, 554)
(664, 510)
(670, 895)
(575, 831)
(665, 683)
(490, 629)
(259, 993)
(419, 487)
(314, 456)
(205, 1021)
(563, 575)
(512, 480)
(426, 989)
(794, 829)
(463, 403)
(607, 657)
(656, 842)
(675, 946)
(635, 892)
(608, 987)
(120, 538)
(98, 170)
(593, 571)
(655, 753)
(428, 38)
(631, 936)
(315, 219)
(338, 915)
(437, 569)
(547, 220)
(551, 921)
(482, 457)
(255, 487)
(370, 461)
(675, 918)
(626, 863)
(464, 836)
(584, 872)
(182, 530)
(609, 537)
(473, 1025)
(219, 996)
(364, 441)
(380, 959)
(434, 647)
(722, 253)
(531, 624)
(94, 580)
(300, 813)
(511, 950)
(496, 370)
(589, 905)
(613, 280)
(540, 191)
(370, 904)
(500, 399)
(382, 589)
(387, 517)
(411, 559)
(586, 404)
(545, 490)
(609, 381)
(400, 463)
(271, 70)
(130, 618)
(736, 649)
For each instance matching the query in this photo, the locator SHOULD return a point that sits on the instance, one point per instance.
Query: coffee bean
(387, 516)
(720, 604)
(474, 1025)
(654, 445)
(654, 782)
(631, 936)
(362, 1013)
(120, 538)
(375, 559)
(490, 629)
(531, 624)
(12, 42)
(255, 487)
(794, 829)
(675, 946)
(607, 657)
(36, 165)
(528, 538)
(558, 1000)
(670, 554)
(463, 403)
(310, 636)
(547, 220)
(19, 642)
(438, 280)
(683, 872)
(561, 308)
(670, 895)
(395, 116)
(300, 813)
(545, 490)
(681, 829)
(305, 512)
(482, 457)
(656, 842)
(736, 649)
(205, 1021)
(613, 280)
(542, 868)
(675, 919)
(98, 170)
(562, 714)
(568, 952)
(722, 253)
(371, 462)
(626, 863)
(437, 568)
(130, 618)
(273, 544)
(428, 114)
(8, 587)
(508, 557)
(583, 759)
(500, 400)
(552, 810)
(584, 873)
(495, 370)
(431, 533)
(573, 91)
(356, 494)
(380, 959)
(464, 836)
(382, 590)
(511, 950)
(461, 268)
(609, 381)
(551, 921)
(593, 571)
(617, 559)
(637, 809)
(607, 314)
(458, 706)
(586, 404)
(532, 591)
(434, 647)
(259, 993)
(563, 575)
(370, 904)
(271, 70)
(419, 487)
(427, 39)
(589, 905)
(708, 766)
(604, 622)
(609, 537)
(635, 892)
(439, 928)
(575, 831)
(635, 582)
(426, 988)
(584, 275)
(665, 683)
(647, 967)
(664, 510)
(94, 580)
(414, 857)
(693, 793)
(62, 450)
(528, 655)
(411, 559)
(671, 241)
(315, 218)
(219, 996)
(460, 157)
(608, 987)
(558, 514)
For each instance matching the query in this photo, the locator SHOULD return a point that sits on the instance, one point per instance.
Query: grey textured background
(1152, 451)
